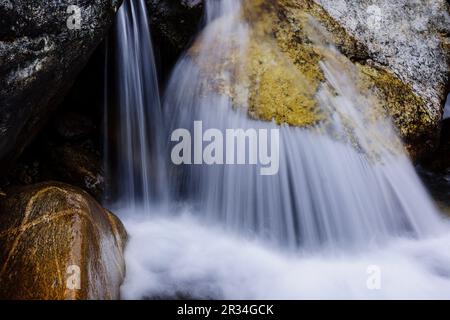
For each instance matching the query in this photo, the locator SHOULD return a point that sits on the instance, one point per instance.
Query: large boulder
(56, 242)
(73, 152)
(43, 46)
(399, 63)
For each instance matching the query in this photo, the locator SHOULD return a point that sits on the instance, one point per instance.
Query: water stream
(136, 131)
(342, 204)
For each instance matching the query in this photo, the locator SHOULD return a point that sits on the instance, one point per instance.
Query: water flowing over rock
(56, 242)
(42, 49)
(337, 156)
(281, 75)
(412, 40)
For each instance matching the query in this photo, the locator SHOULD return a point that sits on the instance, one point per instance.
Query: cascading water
(341, 202)
(138, 168)
(326, 191)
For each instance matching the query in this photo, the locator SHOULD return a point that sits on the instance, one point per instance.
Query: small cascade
(341, 183)
(136, 163)
(344, 196)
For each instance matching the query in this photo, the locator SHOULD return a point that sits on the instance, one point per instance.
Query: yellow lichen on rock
(278, 90)
(398, 98)
(293, 26)
(284, 74)
(265, 75)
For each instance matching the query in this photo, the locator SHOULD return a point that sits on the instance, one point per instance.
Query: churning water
(344, 202)
(184, 257)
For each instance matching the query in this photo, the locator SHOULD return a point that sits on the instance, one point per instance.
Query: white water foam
(183, 257)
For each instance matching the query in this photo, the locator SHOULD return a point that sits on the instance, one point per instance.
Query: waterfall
(342, 201)
(136, 121)
(327, 192)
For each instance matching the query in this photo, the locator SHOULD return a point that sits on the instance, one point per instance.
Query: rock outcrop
(56, 242)
(174, 23)
(401, 63)
(410, 39)
(43, 46)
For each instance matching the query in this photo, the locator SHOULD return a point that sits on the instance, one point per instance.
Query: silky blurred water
(346, 196)
(135, 139)
(342, 183)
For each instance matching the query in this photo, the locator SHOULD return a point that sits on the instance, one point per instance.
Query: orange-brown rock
(57, 242)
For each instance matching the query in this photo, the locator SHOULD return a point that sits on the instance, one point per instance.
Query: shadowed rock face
(174, 23)
(40, 56)
(439, 160)
(47, 232)
(79, 166)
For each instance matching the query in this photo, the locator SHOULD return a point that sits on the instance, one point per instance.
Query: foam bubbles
(183, 257)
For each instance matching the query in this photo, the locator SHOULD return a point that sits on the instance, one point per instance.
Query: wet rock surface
(79, 165)
(411, 39)
(397, 54)
(57, 242)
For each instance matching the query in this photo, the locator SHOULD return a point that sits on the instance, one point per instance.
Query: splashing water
(345, 198)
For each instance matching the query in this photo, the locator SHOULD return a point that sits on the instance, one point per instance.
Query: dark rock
(56, 242)
(72, 126)
(40, 57)
(173, 24)
(67, 150)
(439, 160)
(434, 170)
(78, 165)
